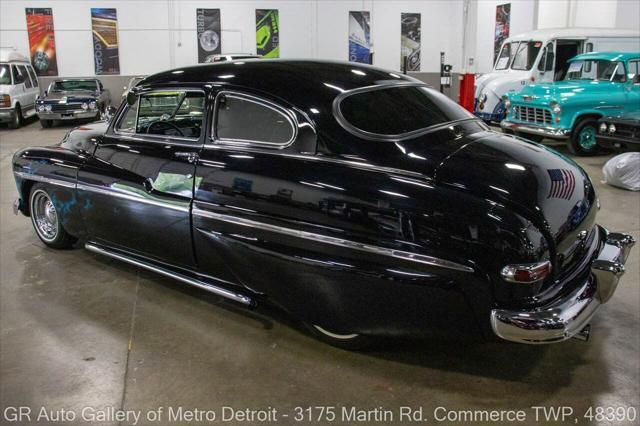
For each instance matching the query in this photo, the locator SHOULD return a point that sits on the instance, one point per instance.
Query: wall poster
(208, 32)
(359, 37)
(267, 33)
(104, 26)
(410, 41)
(503, 18)
(42, 42)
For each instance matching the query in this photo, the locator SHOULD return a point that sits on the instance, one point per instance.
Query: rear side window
(246, 119)
(34, 77)
(398, 111)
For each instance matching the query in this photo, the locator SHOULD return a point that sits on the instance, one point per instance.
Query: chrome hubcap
(45, 216)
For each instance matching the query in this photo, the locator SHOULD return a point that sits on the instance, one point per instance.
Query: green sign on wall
(267, 33)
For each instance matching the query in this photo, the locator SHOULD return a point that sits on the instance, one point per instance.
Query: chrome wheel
(587, 138)
(44, 215)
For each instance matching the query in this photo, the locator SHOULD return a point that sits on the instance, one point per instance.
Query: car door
(136, 190)
(318, 235)
(22, 82)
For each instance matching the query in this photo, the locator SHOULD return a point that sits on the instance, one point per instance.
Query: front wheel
(348, 341)
(46, 123)
(17, 118)
(583, 137)
(46, 221)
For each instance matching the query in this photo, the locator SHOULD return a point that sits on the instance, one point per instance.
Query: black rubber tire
(534, 138)
(17, 118)
(62, 239)
(574, 141)
(46, 123)
(350, 342)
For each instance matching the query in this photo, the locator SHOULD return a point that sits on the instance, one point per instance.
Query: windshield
(526, 55)
(506, 54)
(595, 69)
(5, 75)
(71, 85)
(396, 111)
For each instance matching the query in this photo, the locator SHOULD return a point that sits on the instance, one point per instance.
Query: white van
(18, 88)
(541, 56)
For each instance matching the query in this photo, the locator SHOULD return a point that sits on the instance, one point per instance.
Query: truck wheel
(351, 342)
(17, 118)
(46, 221)
(583, 137)
(46, 123)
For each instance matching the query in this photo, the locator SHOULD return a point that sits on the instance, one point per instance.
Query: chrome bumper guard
(567, 317)
(548, 132)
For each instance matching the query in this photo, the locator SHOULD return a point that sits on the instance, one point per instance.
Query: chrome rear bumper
(568, 316)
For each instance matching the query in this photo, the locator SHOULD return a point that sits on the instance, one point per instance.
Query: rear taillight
(5, 101)
(526, 273)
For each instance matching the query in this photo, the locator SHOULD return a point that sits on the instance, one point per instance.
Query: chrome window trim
(58, 182)
(291, 119)
(144, 137)
(340, 242)
(179, 206)
(344, 123)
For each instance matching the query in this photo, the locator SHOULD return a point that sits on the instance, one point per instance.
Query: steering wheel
(167, 125)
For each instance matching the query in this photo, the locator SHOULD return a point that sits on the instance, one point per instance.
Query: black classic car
(359, 200)
(620, 132)
(72, 99)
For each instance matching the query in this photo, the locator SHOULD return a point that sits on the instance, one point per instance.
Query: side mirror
(131, 98)
(548, 66)
(110, 112)
(45, 93)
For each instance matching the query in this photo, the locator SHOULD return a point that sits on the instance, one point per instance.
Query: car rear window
(398, 111)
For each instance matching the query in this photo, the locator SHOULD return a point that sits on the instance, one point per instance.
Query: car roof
(12, 55)
(300, 82)
(607, 56)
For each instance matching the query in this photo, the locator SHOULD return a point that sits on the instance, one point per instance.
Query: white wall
(522, 20)
(156, 35)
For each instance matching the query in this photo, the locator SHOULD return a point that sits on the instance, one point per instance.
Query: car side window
(27, 78)
(634, 77)
(18, 76)
(34, 77)
(245, 119)
(167, 113)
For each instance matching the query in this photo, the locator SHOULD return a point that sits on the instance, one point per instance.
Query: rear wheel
(583, 137)
(45, 219)
(348, 341)
(17, 118)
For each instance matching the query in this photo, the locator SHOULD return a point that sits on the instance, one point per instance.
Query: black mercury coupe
(359, 200)
(72, 99)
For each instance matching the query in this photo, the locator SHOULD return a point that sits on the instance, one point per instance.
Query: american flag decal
(563, 182)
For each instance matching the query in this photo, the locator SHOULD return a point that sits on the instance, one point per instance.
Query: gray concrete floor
(78, 330)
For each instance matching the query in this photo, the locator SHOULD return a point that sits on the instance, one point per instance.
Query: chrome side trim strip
(320, 158)
(133, 196)
(196, 283)
(58, 182)
(398, 254)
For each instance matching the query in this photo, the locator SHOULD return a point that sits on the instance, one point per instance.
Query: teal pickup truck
(596, 84)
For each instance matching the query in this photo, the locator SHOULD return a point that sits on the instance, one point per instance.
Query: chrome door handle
(189, 156)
